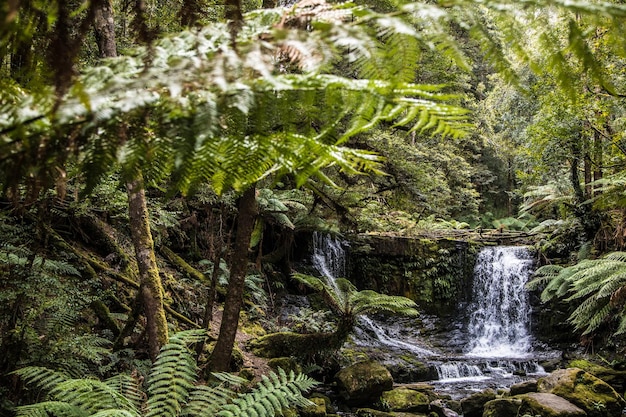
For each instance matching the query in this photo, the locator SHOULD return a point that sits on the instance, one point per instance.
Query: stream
(490, 347)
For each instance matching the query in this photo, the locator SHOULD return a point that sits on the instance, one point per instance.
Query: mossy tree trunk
(220, 358)
(150, 286)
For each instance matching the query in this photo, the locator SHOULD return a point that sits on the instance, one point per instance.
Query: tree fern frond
(543, 275)
(368, 301)
(41, 377)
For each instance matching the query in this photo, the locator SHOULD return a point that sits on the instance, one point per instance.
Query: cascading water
(499, 340)
(499, 323)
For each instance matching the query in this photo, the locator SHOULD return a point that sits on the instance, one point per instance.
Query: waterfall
(498, 325)
(329, 258)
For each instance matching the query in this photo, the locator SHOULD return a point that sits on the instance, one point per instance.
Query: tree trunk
(104, 28)
(150, 287)
(220, 358)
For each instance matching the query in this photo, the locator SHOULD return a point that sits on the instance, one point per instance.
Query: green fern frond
(43, 378)
(173, 375)
(92, 395)
(270, 396)
(205, 401)
(51, 408)
(368, 301)
(543, 275)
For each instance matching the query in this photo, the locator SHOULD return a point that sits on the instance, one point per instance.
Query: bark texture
(150, 287)
(104, 28)
(220, 358)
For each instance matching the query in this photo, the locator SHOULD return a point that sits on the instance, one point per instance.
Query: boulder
(523, 387)
(363, 382)
(472, 406)
(594, 396)
(613, 377)
(440, 408)
(542, 404)
(405, 399)
(502, 407)
(548, 405)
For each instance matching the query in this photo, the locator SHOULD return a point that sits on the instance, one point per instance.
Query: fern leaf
(173, 375)
(54, 408)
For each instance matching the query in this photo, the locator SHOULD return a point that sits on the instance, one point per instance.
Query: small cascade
(329, 257)
(499, 323)
(459, 370)
(384, 336)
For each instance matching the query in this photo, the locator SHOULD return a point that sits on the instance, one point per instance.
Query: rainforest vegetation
(163, 163)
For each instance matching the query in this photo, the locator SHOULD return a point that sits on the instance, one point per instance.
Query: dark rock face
(363, 383)
(436, 274)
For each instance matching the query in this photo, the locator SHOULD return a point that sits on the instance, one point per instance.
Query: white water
(459, 370)
(499, 322)
(329, 258)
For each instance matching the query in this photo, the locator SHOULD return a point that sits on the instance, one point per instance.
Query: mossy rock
(286, 363)
(283, 344)
(363, 382)
(547, 405)
(473, 405)
(370, 412)
(404, 399)
(318, 409)
(594, 396)
(502, 407)
(615, 378)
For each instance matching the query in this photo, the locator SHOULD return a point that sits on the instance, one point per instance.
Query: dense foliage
(161, 160)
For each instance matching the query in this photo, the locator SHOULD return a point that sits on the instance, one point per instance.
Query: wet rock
(363, 382)
(594, 396)
(441, 409)
(411, 371)
(473, 405)
(404, 399)
(523, 387)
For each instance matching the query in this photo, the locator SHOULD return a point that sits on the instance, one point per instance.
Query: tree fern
(595, 286)
(346, 302)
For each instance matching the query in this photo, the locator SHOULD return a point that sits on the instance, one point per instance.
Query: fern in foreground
(171, 390)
